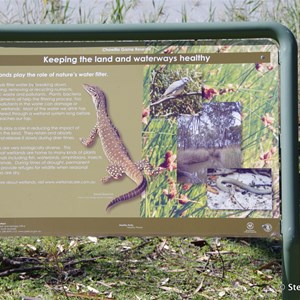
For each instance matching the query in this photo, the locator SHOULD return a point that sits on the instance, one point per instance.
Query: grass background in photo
(255, 86)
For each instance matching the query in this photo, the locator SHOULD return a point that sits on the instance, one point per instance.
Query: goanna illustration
(114, 148)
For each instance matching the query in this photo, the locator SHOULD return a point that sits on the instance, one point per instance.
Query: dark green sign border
(288, 96)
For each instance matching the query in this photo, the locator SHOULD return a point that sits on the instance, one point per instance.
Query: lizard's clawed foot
(106, 179)
(86, 141)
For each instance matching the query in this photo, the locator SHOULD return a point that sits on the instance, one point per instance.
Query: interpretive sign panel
(176, 136)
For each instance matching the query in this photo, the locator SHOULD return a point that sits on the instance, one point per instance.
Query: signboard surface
(84, 109)
(203, 116)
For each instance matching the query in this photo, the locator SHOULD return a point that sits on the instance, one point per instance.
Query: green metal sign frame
(288, 96)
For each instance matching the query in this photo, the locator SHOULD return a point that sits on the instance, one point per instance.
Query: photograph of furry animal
(210, 139)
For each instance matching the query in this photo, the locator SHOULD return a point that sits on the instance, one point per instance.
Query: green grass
(136, 268)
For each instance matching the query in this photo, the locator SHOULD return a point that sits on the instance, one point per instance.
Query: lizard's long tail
(132, 194)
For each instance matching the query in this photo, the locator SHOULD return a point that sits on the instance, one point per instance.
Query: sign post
(199, 103)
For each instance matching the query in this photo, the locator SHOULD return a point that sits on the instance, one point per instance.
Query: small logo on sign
(250, 226)
(267, 227)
